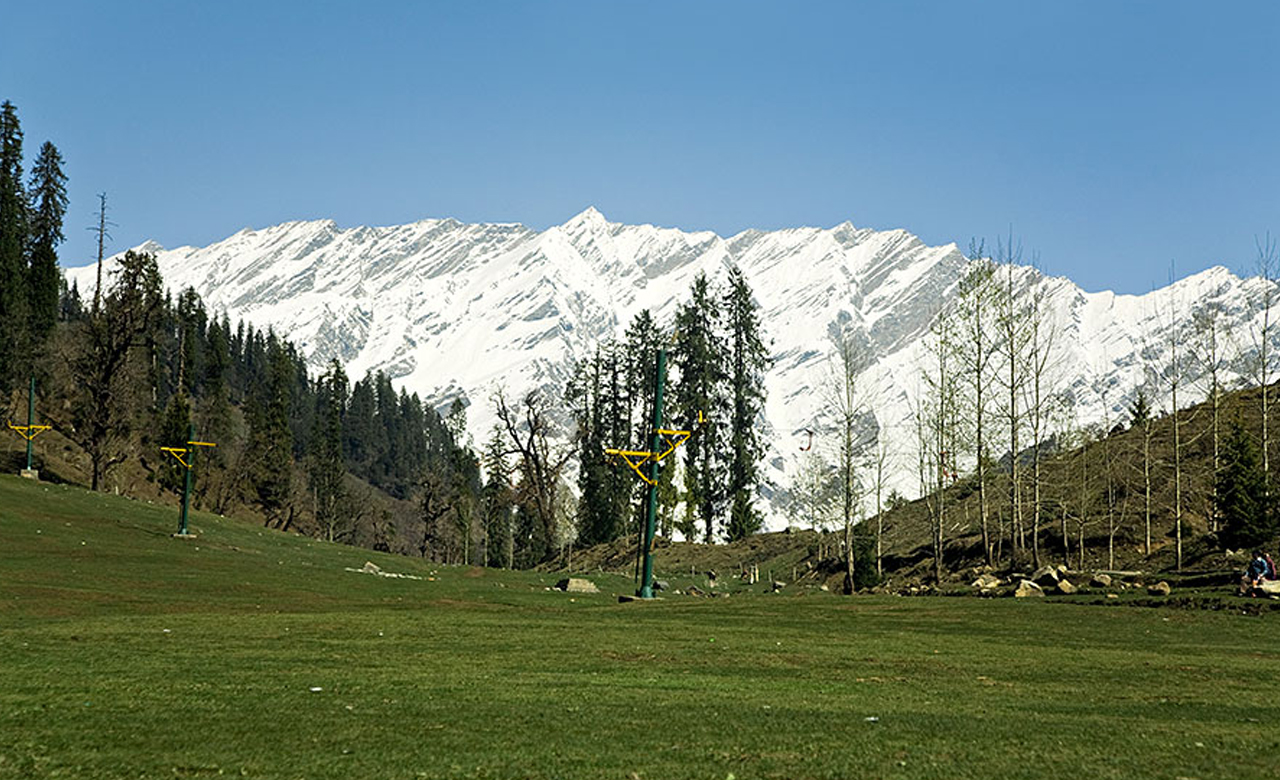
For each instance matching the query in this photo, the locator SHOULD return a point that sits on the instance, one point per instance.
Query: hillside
(1074, 488)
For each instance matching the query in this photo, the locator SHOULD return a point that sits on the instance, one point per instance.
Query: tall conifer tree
(48, 205)
(748, 360)
(13, 240)
(326, 466)
(699, 393)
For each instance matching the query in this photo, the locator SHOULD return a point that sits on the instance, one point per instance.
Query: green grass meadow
(245, 652)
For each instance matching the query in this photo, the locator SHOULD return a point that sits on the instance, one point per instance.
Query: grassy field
(126, 653)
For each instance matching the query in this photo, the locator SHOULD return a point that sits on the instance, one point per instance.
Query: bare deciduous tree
(844, 399)
(541, 461)
(975, 352)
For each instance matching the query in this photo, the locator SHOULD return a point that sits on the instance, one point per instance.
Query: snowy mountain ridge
(451, 309)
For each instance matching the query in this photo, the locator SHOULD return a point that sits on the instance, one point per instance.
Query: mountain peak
(588, 217)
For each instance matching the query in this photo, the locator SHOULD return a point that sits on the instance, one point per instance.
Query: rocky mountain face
(455, 310)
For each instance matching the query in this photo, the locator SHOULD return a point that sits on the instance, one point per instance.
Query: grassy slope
(124, 652)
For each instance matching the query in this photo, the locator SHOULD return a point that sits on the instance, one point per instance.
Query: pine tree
(48, 205)
(699, 393)
(639, 360)
(175, 426)
(326, 468)
(748, 360)
(271, 440)
(13, 240)
(596, 395)
(360, 431)
(100, 370)
(1241, 487)
(497, 503)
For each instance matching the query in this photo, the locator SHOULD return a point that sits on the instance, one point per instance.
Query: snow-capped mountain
(449, 309)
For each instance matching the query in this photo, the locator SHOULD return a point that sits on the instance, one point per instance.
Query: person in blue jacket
(1260, 569)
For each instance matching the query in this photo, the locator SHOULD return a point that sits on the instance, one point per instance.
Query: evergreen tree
(13, 240)
(191, 322)
(103, 383)
(326, 468)
(1247, 516)
(359, 432)
(271, 439)
(214, 414)
(175, 426)
(497, 503)
(48, 205)
(699, 393)
(604, 486)
(640, 352)
(748, 359)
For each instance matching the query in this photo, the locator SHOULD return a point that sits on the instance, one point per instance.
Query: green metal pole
(651, 516)
(31, 418)
(186, 491)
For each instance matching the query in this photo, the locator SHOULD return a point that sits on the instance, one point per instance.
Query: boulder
(778, 585)
(1065, 587)
(1161, 588)
(986, 582)
(661, 585)
(577, 585)
(1045, 576)
(1028, 589)
(371, 568)
(1100, 581)
(1270, 587)
(694, 590)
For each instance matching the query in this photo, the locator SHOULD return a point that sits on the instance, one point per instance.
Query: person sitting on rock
(1260, 570)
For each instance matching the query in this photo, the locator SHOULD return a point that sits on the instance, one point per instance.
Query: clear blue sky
(1115, 138)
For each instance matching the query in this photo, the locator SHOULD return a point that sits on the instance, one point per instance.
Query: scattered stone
(1100, 581)
(372, 568)
(777, 586)
(986, 581)
(1066, 588)
(577, 585)
(1062, 569)
(1045, 576)
(1270, 587)
(661, 585)
(1161, 588)
(1112, 596)
(1028, 589)
(823, 587)
(694, 590)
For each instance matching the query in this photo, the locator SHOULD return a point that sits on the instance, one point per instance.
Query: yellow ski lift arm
(629, 456)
